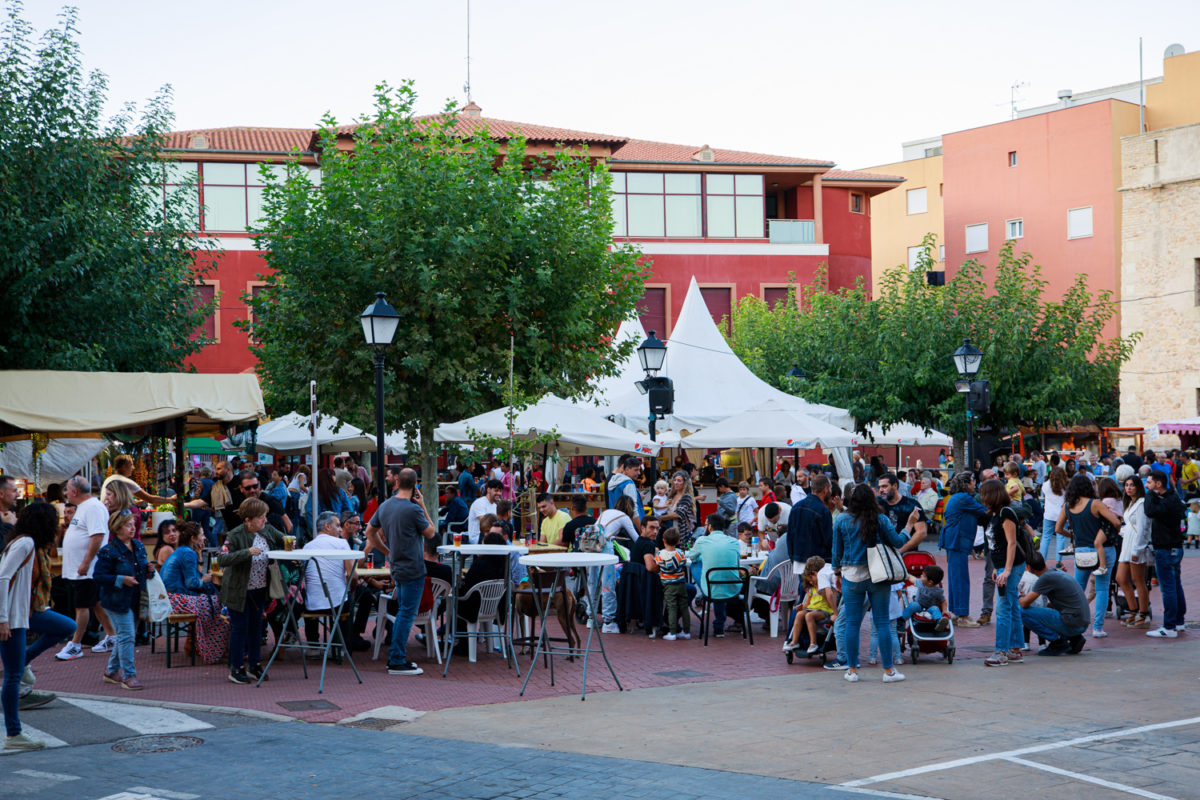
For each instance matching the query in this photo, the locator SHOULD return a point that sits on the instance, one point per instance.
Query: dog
(525, 606)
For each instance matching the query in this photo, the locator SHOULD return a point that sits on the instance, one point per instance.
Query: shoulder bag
(884, 563)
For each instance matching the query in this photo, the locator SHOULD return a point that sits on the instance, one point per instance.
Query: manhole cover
(309, 705)
(156, 744)
(683, 673)
(374, 723)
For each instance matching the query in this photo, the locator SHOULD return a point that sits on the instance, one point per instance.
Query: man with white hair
(334, 571)
(84, 537)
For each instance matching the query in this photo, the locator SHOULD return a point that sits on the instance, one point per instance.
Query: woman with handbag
(866, 558)
(1136, 553)
(1089, 519)
(244, 584)
(1008, 559)
(191, 593)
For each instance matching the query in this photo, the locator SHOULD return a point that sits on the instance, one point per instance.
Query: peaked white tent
(579, 431)
(770, 424)
(290, 435)
(905, 434)
(617, 386)
(711, 382)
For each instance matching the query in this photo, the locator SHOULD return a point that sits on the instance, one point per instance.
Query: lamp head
(652, 353)
(379, 322)
(967, 359)
(796, 372)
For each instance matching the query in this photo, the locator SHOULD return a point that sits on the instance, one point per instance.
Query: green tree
(97, 267)
(476, 244)
(887, 360)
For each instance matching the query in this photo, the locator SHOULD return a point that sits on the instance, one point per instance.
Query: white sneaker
(670, 637)
(26, 689)
(1099, 634)
(22, 742)
(683, 635)
(70, 652)
(28, 678)
(105, 645)
(1162, 633)
(851, 676)
(894, 677)
(610, 627)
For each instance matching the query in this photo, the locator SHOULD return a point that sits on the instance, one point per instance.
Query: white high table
(335, 611)
(457, 554)
(560, 562)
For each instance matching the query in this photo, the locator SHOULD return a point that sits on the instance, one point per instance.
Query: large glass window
(735, 206)
(653, 204)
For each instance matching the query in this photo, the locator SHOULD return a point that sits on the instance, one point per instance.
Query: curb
(137, 701)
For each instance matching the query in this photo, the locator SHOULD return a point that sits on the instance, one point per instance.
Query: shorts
(84, 593)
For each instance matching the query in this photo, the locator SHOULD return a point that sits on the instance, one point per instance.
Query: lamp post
(379, 323)
(967, 359)
(652, 353)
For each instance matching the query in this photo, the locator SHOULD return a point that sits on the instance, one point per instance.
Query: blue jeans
(1102, 583)
(245, 630)
(608, 588)
(1010, 634)
(1050, 537)
(839, 631)
(1047, 623)
(958, 574)
(856, 594)
(12, 653)
(408, 599)
(934, 612)
(121, 656)
(51, 628)
(893, 639)
(1166, 567)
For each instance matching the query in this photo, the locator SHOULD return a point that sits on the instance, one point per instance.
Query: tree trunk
(960, 455)
(429, 473)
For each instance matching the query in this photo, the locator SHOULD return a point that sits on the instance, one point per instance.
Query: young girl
(120, 575)
(1012, 482)
(660, 502)
(818, 605)
(1193, 524)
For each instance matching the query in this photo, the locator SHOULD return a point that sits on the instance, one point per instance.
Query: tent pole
(180, 446)
(314, 495)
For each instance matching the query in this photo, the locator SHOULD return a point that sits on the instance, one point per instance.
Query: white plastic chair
(490, 593)
(384, 620)
(789, 592)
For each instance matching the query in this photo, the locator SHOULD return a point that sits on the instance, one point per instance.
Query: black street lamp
(967, 360)
(796, 373)
(379, 323)
(660, 391)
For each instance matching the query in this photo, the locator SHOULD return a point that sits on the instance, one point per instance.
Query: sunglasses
(249, 486)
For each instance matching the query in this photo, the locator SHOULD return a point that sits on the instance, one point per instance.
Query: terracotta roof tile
(503, 129)
(851, 175)
(243, 139)
(662, 152)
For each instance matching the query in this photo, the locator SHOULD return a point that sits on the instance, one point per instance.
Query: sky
(845, 82)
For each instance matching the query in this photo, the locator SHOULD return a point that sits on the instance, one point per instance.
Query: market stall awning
(61, 459)
(60, 402)
(291, 435)
(905, 434)
(772, 425)
(204, 446)
(1189, 425)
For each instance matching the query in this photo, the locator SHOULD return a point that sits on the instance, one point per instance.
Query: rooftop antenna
(1012, 97)
(467, 85)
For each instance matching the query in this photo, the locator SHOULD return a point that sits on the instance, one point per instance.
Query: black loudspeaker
(661, 392)
(979, 400)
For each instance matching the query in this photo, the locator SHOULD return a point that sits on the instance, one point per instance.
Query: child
(744, 534)
(895, 612)
(818, 605)
(671, 564)
(660, 500)
(930, 598)
(1193, 524)
(1012, 482)
(120, 575)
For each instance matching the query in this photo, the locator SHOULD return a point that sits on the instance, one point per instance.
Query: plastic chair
(383, 620)
(490, 594)
(727, 576)
(789, 592)
(451, 529)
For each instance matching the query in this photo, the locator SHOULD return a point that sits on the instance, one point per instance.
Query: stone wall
(1160, 276)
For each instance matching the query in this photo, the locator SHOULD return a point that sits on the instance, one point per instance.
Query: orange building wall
(1175, 101)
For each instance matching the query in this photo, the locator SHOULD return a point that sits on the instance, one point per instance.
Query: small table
(334, 611)
(559, 562)
(373, 572)
(456, 571)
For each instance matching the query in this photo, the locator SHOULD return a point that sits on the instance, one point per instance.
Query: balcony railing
(792, 231)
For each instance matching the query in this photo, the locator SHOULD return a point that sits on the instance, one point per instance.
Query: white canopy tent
(290, 435)
(61, 459)
(905, 434)
(578, 430)
(711, 382)
(770, 424)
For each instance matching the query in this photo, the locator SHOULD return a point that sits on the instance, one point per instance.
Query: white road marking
(142, 719)
(164, 793)
(1023, 751)
(881, 793)
(1120, 787)
(34, 733)
(47, 776)
(131, 796)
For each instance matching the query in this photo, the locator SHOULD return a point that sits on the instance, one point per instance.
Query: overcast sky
(847, 82)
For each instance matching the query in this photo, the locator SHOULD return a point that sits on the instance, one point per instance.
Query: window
(253, 289)
(656, 204)
(917, 203)
(775, 295)
(914, 257)
(178, 185)
(858, 203)
(1079, 222)
(977, 238)
(941, 252)
(204, 294)
(718, 300)
(1014, 229)
(1012, 158)
(653, 310)
(734, 205)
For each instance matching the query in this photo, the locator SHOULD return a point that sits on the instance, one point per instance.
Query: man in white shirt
(773, 519)
(800, 487)
(84, 537)
(336, 573)
(484, 504)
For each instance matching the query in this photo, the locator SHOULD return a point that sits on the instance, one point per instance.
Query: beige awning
(59, 402)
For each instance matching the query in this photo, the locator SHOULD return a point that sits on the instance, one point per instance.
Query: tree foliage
(473, 243)
(887, 360)
(97, 267)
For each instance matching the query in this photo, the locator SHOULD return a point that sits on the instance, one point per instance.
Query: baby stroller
(826, 641)
(923, 636)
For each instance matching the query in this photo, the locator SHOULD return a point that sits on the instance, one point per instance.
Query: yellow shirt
(1188, 474)
(551, 530)
(1015, 490)
(816, 601)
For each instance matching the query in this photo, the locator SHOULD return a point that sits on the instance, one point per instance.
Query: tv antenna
(467, 85)
(1012, 97)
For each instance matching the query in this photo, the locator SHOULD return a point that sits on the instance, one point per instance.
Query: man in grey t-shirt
(401, 523)
(1063, 623)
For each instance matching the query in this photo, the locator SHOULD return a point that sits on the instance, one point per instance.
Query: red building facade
(741, 223)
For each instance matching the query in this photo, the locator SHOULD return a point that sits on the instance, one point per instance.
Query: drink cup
(289, 542)
(754, 545)
(457, 539)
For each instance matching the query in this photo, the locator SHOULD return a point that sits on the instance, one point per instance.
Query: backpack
(591, 539)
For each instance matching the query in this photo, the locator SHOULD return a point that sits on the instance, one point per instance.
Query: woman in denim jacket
(862, 526)
(120, 575)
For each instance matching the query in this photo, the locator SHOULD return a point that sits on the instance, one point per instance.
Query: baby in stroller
(818, 607)
(930, 600)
